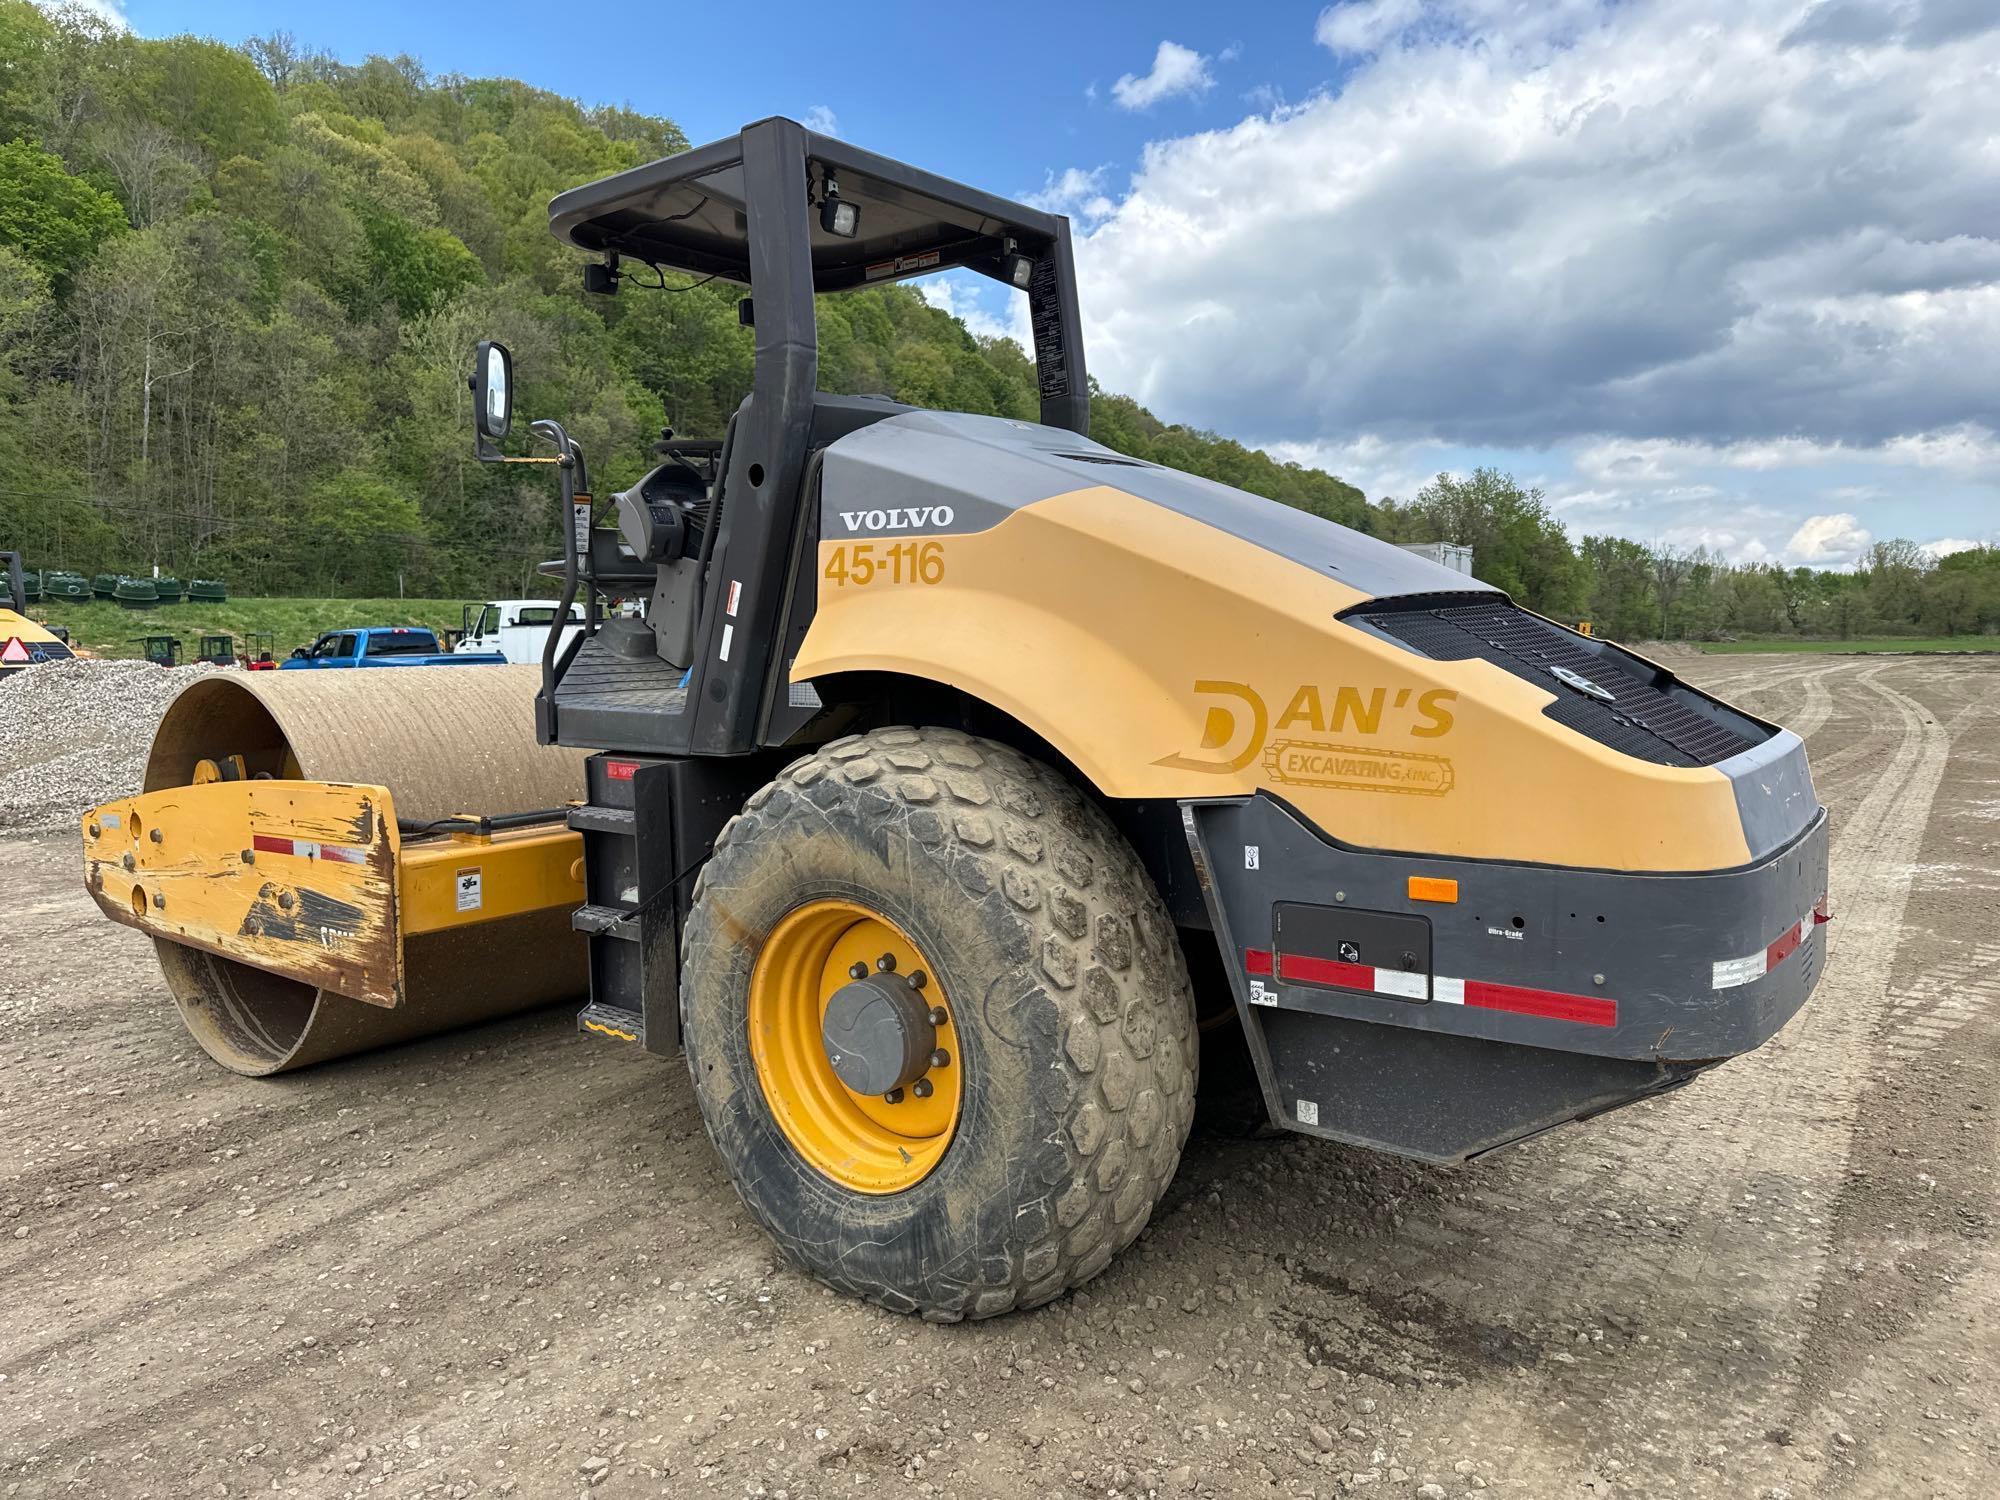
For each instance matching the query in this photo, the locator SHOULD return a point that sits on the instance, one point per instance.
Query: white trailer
(1446, 554)
(516, 628)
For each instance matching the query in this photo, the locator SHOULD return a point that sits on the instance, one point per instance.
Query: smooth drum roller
(331, 861)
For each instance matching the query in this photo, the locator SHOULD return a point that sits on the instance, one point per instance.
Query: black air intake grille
(1642, 719)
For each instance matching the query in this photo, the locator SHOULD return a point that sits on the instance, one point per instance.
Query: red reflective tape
(1588, 1010)
(1555, 1005)
(1332, 971)
(1785, 946)
(621, 770)
(270, 845)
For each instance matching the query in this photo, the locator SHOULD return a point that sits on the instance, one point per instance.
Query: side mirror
(492, 390)
(299, 653)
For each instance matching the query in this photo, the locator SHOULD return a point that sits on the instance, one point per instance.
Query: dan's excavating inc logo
(1238, 729)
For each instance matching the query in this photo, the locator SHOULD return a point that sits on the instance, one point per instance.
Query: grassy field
(107, 629)
(1926, 644)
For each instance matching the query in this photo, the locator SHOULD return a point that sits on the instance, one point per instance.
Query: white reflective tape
(728, 632)
(1731, 972)
(1450, 991)
(1396, 982)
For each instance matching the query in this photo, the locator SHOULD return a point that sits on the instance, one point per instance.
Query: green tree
(1517, 543)
(1620, 601)
(418, 270)
(53, 218)
(1981, 566)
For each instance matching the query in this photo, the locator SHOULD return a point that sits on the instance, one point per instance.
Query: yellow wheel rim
(861, 1141)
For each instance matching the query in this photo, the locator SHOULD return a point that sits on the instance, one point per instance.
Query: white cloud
(821, 120)
(961, 300)
(1376, 467)
(1651, 222)
(1828, 541)
(1074, 191)
(1176, 70)
(110, 12)
(1967, 449)
(1363, 26)
(1944, 546)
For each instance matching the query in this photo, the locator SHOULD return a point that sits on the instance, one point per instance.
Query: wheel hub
(878, 1032)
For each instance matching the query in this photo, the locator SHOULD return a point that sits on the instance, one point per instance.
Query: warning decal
(470, 894)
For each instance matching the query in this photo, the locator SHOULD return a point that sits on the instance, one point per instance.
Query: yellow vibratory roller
(328, 862)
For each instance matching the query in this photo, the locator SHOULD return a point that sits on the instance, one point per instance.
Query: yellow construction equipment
(24, 642)
(961, 775)
(328, 862)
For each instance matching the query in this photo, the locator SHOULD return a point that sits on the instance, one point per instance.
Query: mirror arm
(570, 458)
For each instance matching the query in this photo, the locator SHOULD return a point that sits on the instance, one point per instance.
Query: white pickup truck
(516, 628)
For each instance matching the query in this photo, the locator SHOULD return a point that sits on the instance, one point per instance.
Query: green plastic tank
(207, 591)
(61, 585)
(168, 588)
(104, 585)
(135, 593)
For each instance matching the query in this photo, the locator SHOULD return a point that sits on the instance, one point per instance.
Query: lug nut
(95, 831)
(859, 971)
(938, 1017)
(940, 1058)
(159, 902)
(894, 1096)
(921, 1088)
(155, 836)
(248, 857)
(886, 963)
(918, 979)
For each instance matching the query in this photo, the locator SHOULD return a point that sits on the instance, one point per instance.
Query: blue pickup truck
(384, 646)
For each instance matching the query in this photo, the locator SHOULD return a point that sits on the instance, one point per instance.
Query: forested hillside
(239, 288)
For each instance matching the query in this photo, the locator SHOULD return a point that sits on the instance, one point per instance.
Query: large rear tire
(1058, 1118)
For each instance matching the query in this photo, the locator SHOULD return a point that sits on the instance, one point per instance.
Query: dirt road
(505, 1262)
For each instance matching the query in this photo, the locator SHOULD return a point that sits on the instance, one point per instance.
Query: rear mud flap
(1432, 1096)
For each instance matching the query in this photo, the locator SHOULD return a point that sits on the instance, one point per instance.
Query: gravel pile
(75, 733)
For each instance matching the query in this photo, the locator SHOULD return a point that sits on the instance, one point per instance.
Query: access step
(607, 921)
(614, 1021)
(603, 820)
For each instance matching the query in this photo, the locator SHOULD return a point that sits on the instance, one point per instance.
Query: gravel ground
(74, 734)
(506, 1261)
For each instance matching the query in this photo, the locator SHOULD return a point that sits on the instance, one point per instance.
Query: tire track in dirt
(1624, 1223)
(188, 1268)
(1772, 1149)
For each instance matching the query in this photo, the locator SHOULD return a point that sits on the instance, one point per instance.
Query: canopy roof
(687, 213)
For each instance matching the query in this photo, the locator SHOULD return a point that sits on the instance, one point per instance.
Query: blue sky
(1716, 272)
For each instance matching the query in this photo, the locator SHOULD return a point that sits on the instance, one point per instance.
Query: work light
(836, 214)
